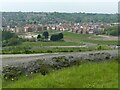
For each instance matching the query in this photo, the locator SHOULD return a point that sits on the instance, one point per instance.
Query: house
(53, 28)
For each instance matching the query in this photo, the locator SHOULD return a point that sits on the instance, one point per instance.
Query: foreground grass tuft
(89, 75)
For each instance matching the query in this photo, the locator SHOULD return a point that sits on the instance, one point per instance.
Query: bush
(11, 42)
(99, 47)
(39, 66)
(7, 35)
(112, 31)
(49, 51)
(14, 41)
(56, 37)
(117, 59)
(13, 72)
(9, 39)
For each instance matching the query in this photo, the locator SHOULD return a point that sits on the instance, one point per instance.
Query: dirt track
(23, 58)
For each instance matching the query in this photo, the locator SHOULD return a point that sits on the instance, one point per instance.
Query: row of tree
(54, 37)
(114, 31)
(22, 18)
(10, 39)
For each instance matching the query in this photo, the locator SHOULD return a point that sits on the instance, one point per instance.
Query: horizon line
(60, 12)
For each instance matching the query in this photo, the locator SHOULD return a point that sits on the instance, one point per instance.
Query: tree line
(9, 39)
(54, 37)
(22, 18)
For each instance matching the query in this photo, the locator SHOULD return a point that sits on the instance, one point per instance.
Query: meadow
(87, 75)
(28, 49)
(84, 38)
(70, 39)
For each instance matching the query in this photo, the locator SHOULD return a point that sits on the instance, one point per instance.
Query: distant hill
(21, 18)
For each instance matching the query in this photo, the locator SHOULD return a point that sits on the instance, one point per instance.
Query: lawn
(88, 75)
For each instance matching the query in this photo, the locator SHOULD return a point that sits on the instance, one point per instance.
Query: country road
(12, 59)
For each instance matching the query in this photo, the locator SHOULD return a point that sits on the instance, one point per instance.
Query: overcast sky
(89, 6)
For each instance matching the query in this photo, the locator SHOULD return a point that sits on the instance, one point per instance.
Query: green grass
(30, 49)
(0, 83)
(70, 39)
(89, 75)
(60, 43)
(76, 39)
(81, 38)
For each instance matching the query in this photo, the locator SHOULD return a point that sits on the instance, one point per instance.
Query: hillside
(21, 18)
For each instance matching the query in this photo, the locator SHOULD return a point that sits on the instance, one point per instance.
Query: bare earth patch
(105, 37)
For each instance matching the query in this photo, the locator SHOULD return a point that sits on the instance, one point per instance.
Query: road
(12, 59)
(66, 46)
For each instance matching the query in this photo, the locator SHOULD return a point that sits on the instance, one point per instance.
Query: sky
(88, 6)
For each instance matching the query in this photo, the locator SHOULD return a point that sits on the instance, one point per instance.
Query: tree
(11, 42)
(53, 38)
(7, 35)
(112, 31)
(39, 36)
(60, 36)
(9, 39)
(56, 37)
(45, 34)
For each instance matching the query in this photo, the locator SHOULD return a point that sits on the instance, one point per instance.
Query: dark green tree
(112, 31)
(45, 34)
(60, 35)
(9, 39)
(7, 35)
(39, 36)
(54, 38)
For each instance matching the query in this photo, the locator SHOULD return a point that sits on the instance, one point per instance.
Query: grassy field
(81, 38)
(70, 39)
(59, 43)
(28, 49)
(89, 75)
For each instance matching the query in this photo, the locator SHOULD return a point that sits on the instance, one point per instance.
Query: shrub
(99, 47)
(49, 51)
(56, 37)
(117, 59)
